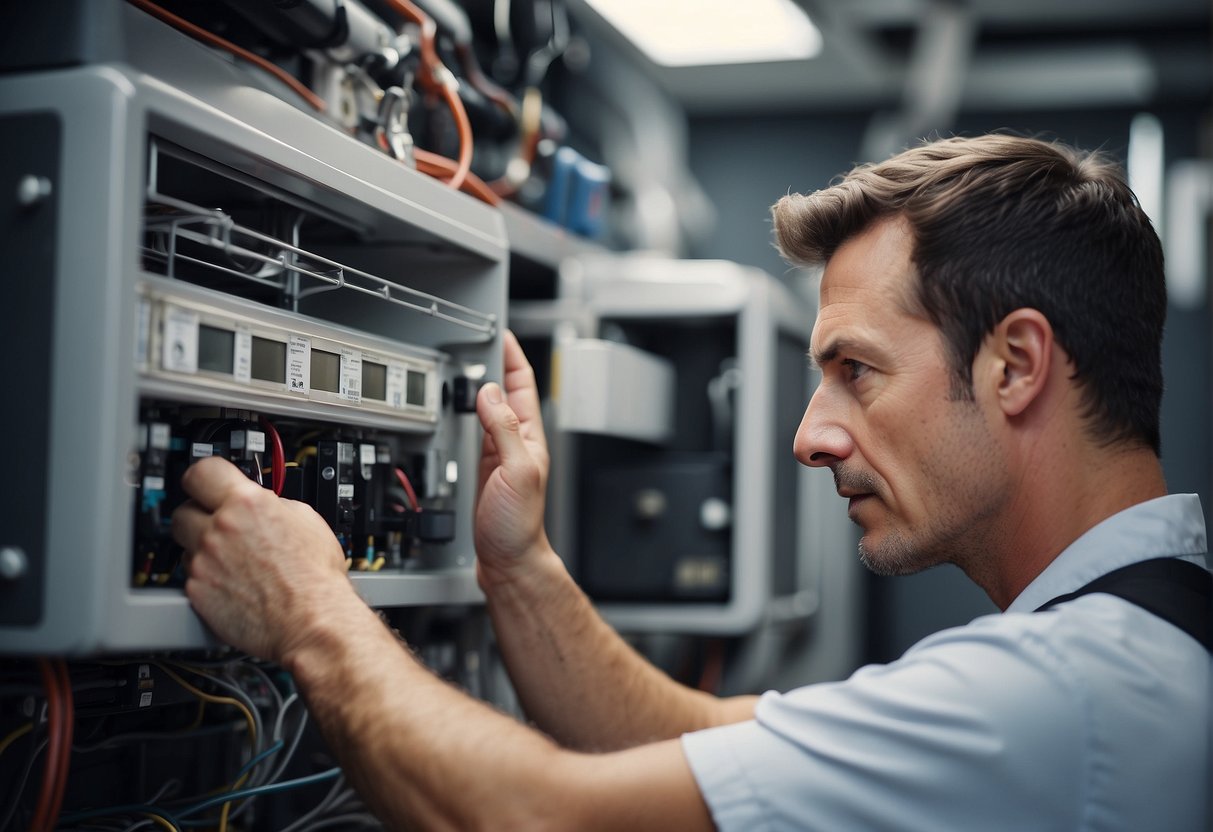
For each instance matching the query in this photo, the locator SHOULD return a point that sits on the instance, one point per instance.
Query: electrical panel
(683, 510)
(201, 268)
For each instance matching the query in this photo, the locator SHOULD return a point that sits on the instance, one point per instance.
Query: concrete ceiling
(926, 56)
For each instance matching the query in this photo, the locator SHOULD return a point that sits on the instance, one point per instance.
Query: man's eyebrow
(819, 358)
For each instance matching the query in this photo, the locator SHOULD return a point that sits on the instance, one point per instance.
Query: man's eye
(855, 369)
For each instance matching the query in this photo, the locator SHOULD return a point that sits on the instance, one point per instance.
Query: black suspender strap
(1177, 591)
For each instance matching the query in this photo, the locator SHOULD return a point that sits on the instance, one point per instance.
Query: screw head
(33, 189)
(14, 563)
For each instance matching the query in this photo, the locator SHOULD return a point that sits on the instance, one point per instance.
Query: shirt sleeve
(972, 729)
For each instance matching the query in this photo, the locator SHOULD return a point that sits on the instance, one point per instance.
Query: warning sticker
(299, 365)
(351, 375)
(242, 366)
(396, 380)
(179, 350)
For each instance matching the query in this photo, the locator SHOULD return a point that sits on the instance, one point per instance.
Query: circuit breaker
(200, 268)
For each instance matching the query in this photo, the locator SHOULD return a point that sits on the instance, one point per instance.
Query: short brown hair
(1002, 222)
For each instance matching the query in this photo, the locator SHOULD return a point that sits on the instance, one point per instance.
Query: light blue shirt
(1095, 716)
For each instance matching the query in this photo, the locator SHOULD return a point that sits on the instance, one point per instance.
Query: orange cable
(464, 127)
(476, 77)
(438, 79)
(54, 748)
(438, 166)
(433, 80)
(212, 39)
(67, 707)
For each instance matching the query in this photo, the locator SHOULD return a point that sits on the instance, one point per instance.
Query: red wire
(408, 488)
(713, 666)
(54, 749)
(68, 713)
(277, 457)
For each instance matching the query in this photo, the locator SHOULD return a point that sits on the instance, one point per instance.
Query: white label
(145, 699)
(153, 483)
(351, 375)
(395, 384)
(299, 364)
(366, 454)
(242, 368)
(202, 449)
(256, 441)
(143, 332)
(161, 436)
(345, 491)
(179, 352)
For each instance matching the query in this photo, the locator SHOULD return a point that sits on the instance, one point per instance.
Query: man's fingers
(519, 380)
(188, 522)
(212, 480)
(501, 423)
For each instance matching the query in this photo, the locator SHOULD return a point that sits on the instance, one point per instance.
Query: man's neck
(1055, 504)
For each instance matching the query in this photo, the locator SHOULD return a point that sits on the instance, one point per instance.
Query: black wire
(19, 788)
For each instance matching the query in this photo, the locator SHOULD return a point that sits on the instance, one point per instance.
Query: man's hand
(513, 472)
(264, 572)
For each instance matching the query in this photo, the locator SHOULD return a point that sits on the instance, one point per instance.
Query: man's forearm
(425, 755)
(578, 680)
(405, 737)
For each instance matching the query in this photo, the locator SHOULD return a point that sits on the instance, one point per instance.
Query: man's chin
(889, 555)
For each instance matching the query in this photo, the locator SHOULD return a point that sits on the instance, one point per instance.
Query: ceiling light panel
(713, 32)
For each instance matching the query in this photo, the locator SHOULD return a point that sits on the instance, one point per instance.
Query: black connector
(435, 526)
(463, 399)
(428, 525)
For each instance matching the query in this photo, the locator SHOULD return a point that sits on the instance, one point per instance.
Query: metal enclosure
(710, 531)
(128, 161)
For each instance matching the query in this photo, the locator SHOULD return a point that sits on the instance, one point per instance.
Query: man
(989, 338)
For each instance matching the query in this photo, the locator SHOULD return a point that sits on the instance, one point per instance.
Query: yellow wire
(304, 453)
(227, 806)
(218, 700)
(197, 723)
(162, 822)
(15, 735)
(221, 700)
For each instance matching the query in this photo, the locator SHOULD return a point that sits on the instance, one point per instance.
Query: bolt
(33, 189)
(13, 563)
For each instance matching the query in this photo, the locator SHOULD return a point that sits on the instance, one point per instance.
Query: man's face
(921, 470)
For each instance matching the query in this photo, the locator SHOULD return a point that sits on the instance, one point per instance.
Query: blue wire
(120, 810)
(226, 797)
(282, 786)
(273, 749)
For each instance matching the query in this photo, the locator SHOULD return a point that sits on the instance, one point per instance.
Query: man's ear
(1022, 344)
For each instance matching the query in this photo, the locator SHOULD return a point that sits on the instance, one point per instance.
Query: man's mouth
(856, 500)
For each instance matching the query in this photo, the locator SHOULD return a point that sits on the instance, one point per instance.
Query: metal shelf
(292, 270)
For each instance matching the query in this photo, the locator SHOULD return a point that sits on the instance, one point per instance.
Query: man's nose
(821, 440)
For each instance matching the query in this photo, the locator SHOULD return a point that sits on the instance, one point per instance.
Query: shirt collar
(1168, 526)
